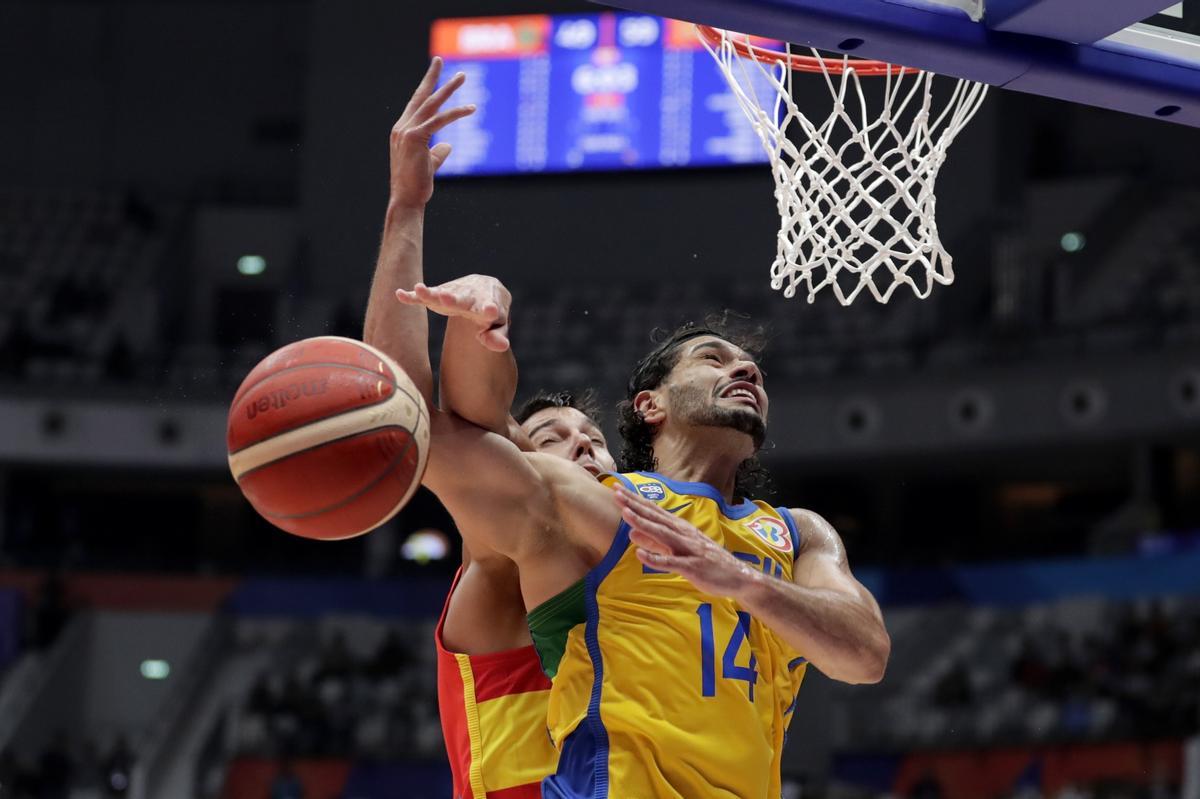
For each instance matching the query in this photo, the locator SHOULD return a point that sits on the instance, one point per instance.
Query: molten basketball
(327, 438)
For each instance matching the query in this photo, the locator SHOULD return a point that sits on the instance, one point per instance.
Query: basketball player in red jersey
(492, 692)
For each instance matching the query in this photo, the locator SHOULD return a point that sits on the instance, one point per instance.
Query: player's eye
(600, 442)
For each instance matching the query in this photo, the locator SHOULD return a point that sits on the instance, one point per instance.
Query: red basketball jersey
(493, 710)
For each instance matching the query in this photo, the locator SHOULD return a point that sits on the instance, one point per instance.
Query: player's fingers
(433, 103)
(467, 304)
(655, 512)
(495, 340)
(430, 298)
(681, 535)
(408, 297)
(428, 293)
(664, 536)
(489, 312)
(658, 560)
(659, 532)
(465, 299)
(461, 302)
(648, 543)
(424, 88)
(435, 123)
(627, 500)
(439, 154)
(453, 303)
(644, 507)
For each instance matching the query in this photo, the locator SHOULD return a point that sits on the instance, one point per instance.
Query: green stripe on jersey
(550, 622)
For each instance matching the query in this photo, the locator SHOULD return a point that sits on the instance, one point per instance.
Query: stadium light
(252, 264)
(425, 545)
(1072, 242)
(155, 669)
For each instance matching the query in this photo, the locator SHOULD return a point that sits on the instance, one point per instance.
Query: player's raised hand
(480, 299)
(413, 161)
(668, 543)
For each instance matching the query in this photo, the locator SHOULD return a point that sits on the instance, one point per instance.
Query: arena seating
(78, 296)
(78, 299)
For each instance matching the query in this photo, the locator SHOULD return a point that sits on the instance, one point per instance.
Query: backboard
(1137, 56)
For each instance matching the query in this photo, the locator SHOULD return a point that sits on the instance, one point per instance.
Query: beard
(693, 406)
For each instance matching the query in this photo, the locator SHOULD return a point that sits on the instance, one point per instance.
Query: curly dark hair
(584, 402)
(637, 450)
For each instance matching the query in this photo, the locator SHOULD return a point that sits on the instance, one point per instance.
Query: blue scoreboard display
(557, 93)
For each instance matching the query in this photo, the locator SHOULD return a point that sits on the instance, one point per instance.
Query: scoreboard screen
(595, 91)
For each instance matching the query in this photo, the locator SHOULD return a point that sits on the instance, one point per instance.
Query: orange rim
(805, 63)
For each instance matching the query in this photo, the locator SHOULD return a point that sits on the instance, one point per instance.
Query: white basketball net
(856, 195)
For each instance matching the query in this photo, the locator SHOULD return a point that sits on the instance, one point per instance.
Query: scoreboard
(563, 92)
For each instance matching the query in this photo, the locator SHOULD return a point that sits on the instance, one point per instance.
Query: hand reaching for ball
(479, 299)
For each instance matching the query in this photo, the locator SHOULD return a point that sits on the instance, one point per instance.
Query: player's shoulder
(816, 534)
(550, 465)
(558, 471)
(804, 516)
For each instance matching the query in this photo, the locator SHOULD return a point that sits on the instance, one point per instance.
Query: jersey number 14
(730, 670)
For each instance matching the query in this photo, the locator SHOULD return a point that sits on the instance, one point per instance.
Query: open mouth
(592, 467)
(741, 392)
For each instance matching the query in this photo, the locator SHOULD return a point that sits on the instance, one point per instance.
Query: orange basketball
(327, 438)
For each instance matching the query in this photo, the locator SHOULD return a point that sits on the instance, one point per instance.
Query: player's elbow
(867, 663)
(873, 659)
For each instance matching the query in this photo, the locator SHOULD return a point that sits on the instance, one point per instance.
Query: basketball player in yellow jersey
(674, 647)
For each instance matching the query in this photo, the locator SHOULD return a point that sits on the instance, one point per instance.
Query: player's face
(568, 433)
(717, 384)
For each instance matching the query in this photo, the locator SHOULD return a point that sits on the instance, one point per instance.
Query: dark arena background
(1014, 463)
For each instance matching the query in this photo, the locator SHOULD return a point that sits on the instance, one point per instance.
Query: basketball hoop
(855, 192)
(797, 63)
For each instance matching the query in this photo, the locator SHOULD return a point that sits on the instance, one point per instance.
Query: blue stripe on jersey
(790, 521)
(583, 763)
(573, 779)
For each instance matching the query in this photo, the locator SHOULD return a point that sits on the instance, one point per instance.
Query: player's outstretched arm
(523, 505)
(478, 372)
(399, 330)
(464, 460)
(824, 613)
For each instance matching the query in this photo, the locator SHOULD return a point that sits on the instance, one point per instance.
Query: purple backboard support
(1124, 74)
(1068, 20)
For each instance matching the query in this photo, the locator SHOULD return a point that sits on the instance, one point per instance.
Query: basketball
(327, 438)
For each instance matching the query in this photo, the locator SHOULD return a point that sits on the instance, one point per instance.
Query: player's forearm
(477, 384)
(401, 331)
(836, 632)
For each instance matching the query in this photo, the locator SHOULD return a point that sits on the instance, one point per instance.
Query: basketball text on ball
(279, 398)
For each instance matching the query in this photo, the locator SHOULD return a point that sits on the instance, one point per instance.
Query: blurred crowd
(67, 262)
(1136, 677)
(337, 703)
(1105, 789)
(68, 769)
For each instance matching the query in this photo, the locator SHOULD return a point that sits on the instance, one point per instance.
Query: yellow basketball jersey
(660, 690)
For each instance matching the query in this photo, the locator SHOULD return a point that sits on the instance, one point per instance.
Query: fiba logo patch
(652, 491)
(773, 531)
